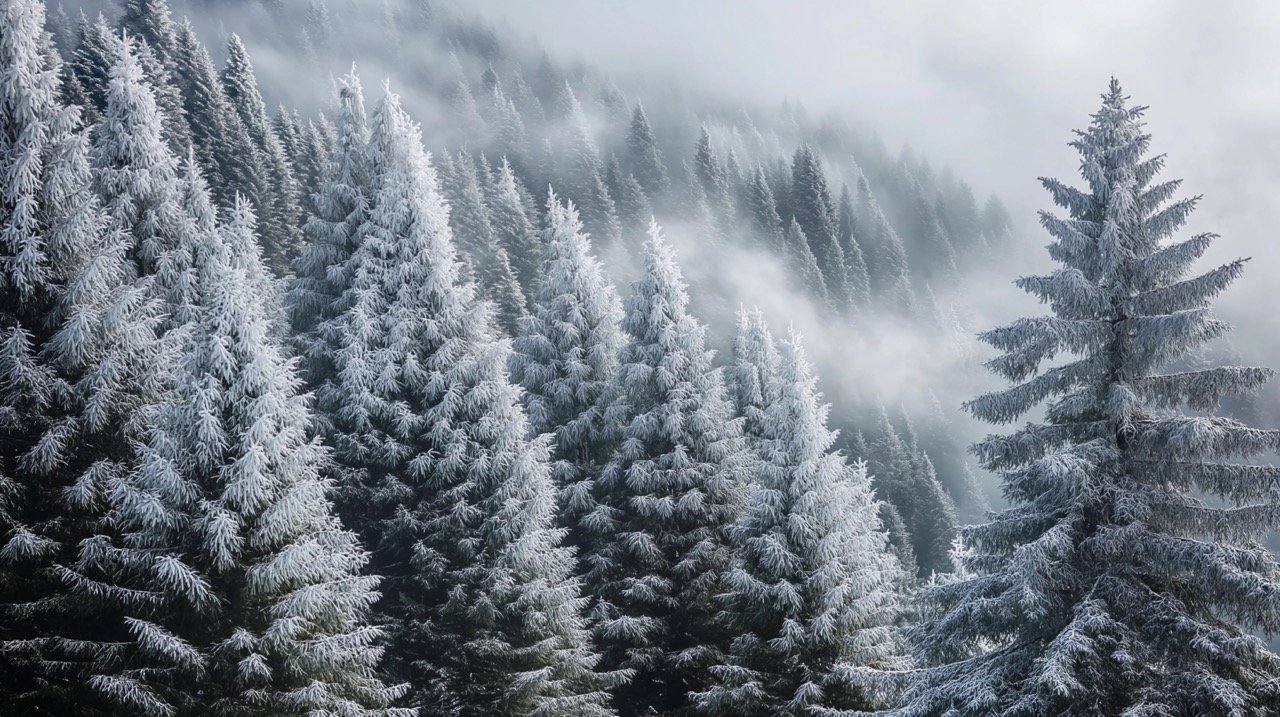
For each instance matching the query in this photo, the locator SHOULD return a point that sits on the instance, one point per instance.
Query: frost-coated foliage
(644, 157)
(78, 359)
(566, 358)
(512, 228)
(436, 469)
(278, 204)
(812, 600)
(1126, 578)
(659, 544)
(904, 476)
(815, 212)
(472, 223)
(754, 374)
(239, 593)
(585, 174)
(137, 177)
(320, 280)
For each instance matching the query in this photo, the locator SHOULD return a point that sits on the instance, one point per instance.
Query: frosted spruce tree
(512, 228)
(812, 601)
(1126, 579)
(137, 178)
(240, 593)
(811, 203)
(659, 538)
(78, 359)
(278, 206)
(584, 173)
(436, 469)
(754, 375)
(644, 157)
(318, 288)
(472, 224)
(566, 358)
(219, 138)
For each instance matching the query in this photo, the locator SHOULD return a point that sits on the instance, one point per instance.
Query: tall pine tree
(667, 498)
(1126, 578)
(566, 358)
(812, 601)
(436, 469)
(79, 365)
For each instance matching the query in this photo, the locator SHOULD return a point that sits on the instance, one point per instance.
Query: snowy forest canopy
(495, 388)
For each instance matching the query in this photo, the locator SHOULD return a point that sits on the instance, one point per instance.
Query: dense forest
(465, 381)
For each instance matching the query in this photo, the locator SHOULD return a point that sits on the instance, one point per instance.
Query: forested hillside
(367, 358)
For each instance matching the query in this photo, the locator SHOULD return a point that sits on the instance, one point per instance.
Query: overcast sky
(991, 88)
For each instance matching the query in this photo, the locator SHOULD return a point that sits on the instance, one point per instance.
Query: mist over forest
(402, 357)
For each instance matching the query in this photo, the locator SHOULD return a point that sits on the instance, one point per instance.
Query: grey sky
(992, 88)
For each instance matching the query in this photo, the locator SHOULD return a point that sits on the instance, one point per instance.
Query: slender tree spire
(566, 358)
(436, 469)
(667, 497)
(812, 601)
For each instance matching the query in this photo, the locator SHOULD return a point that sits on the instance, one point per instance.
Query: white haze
(994, 89)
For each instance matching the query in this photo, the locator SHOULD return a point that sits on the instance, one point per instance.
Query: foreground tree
(1126, 579)
(566, 358)
(240, 591)
(812, 601)
(659, 545)
(436, 468)
(78, 359)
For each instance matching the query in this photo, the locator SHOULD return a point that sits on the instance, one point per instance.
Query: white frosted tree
(320, 283)
(78, 367)
(239, 591)
(1126, 578)
(472, 224)
(754, 375)
(659, 536)
(566, 358)
(278, 205)
(512, 228)
(436, 468)
(584, 173)
(812, 602)
(644, 157)
(137, 178)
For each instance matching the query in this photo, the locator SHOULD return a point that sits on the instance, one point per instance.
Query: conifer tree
(488, 262)
(511, 227)
(659, 544)
(714, 181)
(239, 589)
(436, 468)
(220, 140)
(317, 290)
(91, 62)
(812, 600)
(905, 477)
(644, 156)
(890, 278)
(278, 207)
(137, 178)
(79, 365)
(762, 209)
(584, 175)
(855, 263)
(566, 358)
(804, 265)
(1126, 578)
(754, 374)
(810, 202)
